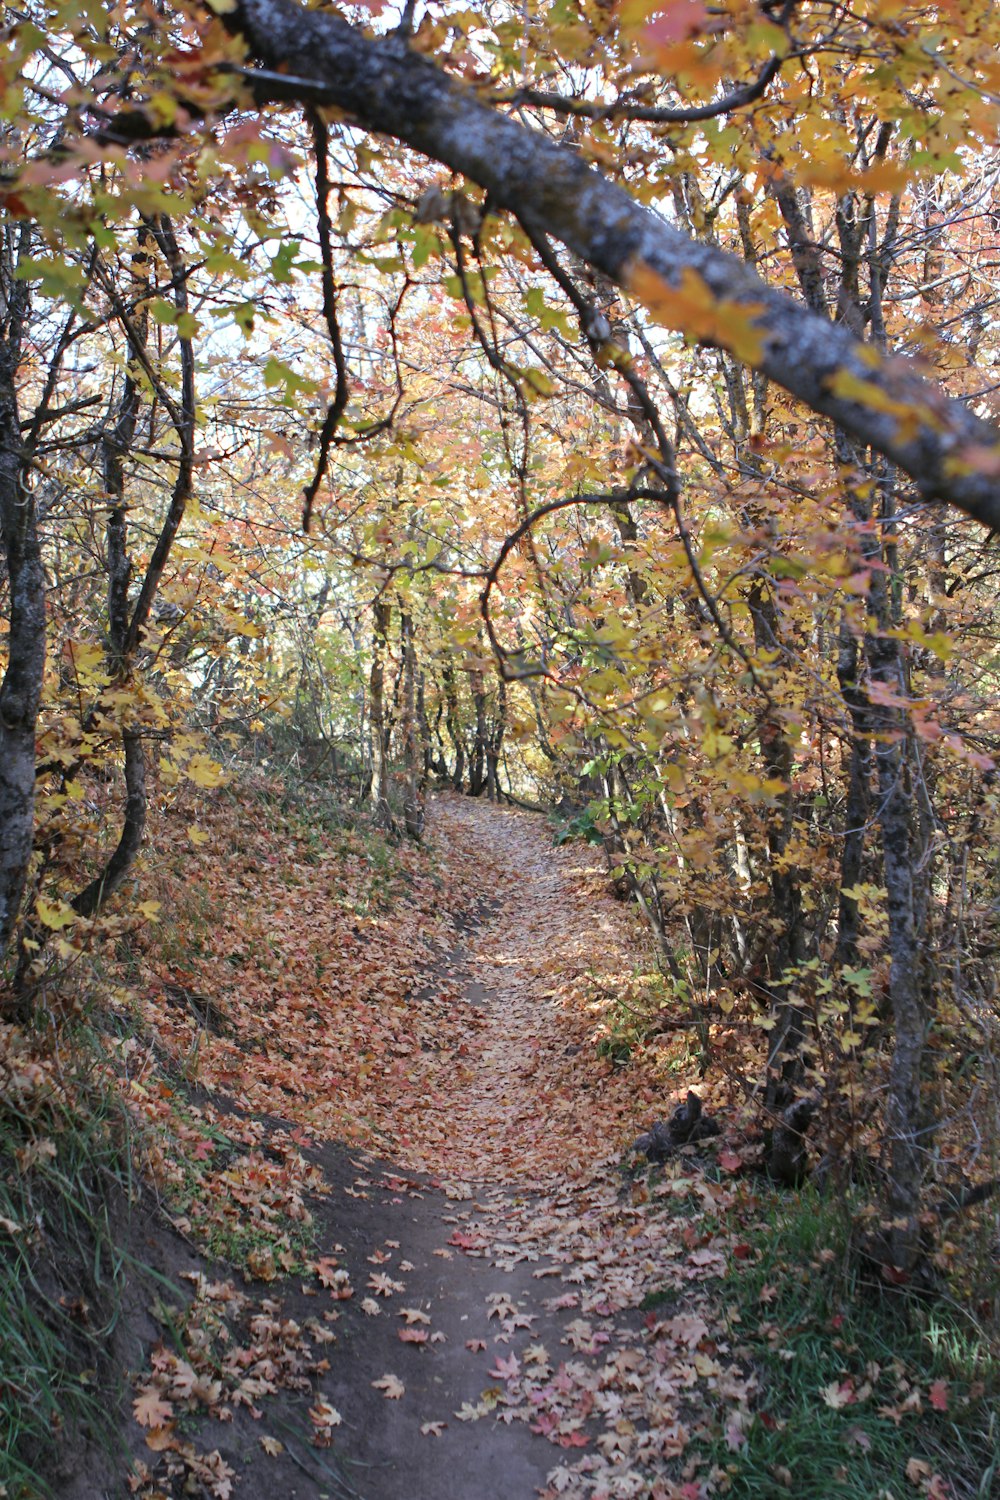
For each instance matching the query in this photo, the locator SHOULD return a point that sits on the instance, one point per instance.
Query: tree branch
(385, 87)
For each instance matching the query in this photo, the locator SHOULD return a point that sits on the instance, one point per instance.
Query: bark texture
(319, 58)
(381, 721)
(20, 691)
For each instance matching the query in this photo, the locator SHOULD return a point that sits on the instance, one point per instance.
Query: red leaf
(938, 1395)
(465, 1241)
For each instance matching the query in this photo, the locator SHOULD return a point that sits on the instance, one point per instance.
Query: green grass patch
(65, 1189)
(863, 1393)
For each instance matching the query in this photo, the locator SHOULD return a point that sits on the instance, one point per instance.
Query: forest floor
(470, 1323)
(405, 1252)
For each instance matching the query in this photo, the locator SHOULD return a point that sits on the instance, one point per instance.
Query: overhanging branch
(385, 87)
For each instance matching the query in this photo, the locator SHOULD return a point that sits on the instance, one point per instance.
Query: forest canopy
(581, 403)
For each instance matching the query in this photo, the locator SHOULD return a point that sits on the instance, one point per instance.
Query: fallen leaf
(391, 1387)
(150, 1409)
(414, 1315)
(161, 1439)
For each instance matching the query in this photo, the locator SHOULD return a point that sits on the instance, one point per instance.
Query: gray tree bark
(21, 689)
(319, 58)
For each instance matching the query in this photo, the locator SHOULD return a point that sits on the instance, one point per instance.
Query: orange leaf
(160, 1439)
(693, 309)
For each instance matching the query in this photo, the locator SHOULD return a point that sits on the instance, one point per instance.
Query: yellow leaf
(150, 910)
(197, 835)
(203, 771)
(60, 914)
(909, 415)
(86, 661)
(694, 310)
(272, 1446)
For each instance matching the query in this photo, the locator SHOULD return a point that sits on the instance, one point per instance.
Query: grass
(862, 1393)
(65, 1186)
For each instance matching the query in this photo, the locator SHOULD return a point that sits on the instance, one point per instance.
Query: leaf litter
(469, 1052)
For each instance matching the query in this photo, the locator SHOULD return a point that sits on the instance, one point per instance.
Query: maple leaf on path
(391, 1387)
(465, 1241)
(325, 1415)
(469, 1413)
(414, 1315)
(413, 1335)
(432, 1429)
(150, 1409)
(160, 1439)
(383, 1285)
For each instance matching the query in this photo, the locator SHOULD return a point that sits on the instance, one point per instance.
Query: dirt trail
(492, 1346)
(517, 1104)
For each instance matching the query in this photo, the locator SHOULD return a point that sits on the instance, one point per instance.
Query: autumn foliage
(589, 409)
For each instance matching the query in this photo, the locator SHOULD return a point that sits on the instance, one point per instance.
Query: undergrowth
(107, 1083)
(864, 1394)
(65, 1188)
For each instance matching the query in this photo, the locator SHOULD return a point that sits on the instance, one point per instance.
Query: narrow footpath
(503, 1310)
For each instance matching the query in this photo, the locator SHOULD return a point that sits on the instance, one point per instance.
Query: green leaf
(59, 278)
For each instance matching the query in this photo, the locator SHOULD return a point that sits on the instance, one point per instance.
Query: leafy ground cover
(380, 1095)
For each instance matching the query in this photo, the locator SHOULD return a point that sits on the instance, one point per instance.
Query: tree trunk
(413, 810)
(905, 1131)
(454, 724)
(116, 445)
(494, 743)
(784, 1064)
(381, 726)
(858, 803)
(477, 766)
(20, 692)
